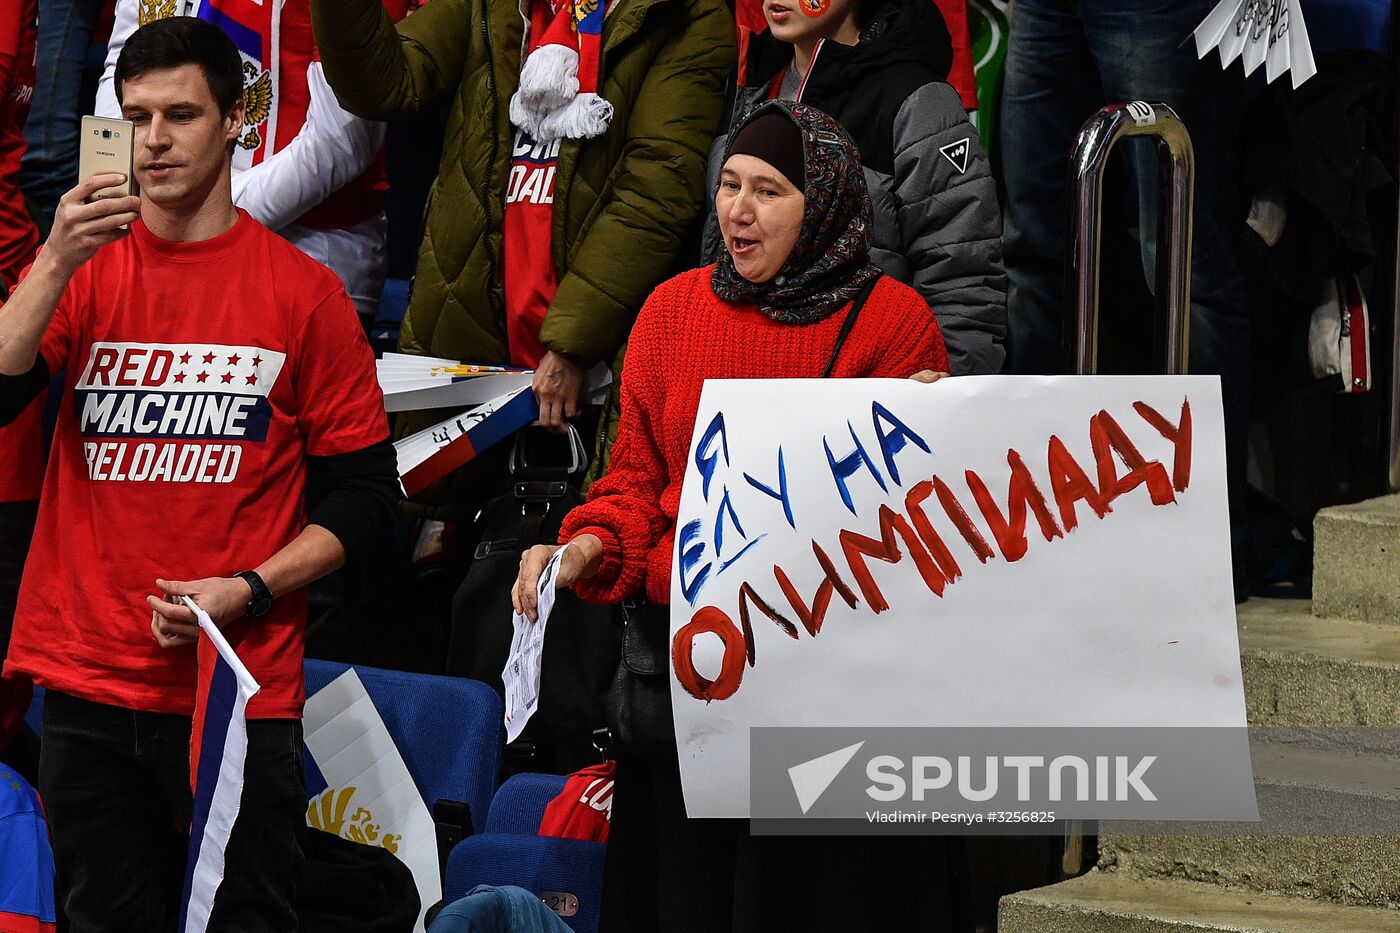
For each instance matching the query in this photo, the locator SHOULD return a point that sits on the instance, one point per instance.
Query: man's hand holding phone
(81, 226)
(79, 230)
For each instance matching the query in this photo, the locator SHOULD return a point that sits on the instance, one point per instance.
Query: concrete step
(1347, 799)
(1109, 902)
(1328, 791)
(1356, 561)
(1359, 870)
(1300, 670)
(1330, 688)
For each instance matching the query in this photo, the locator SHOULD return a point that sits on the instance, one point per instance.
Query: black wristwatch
(262, 596)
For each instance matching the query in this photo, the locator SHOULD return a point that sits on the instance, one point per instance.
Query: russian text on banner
(998, 551)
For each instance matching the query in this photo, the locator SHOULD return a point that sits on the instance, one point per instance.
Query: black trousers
(16, 529)
(116, 789)
(667, 873)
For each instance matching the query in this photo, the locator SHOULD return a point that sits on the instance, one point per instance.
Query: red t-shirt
(21, 443)
(530, 279)
(22, 455)
(199, 378)
(583, 809)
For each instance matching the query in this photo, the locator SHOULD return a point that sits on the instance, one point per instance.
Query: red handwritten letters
(1119, 468)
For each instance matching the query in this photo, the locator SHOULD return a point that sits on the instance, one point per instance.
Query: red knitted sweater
(683, 336)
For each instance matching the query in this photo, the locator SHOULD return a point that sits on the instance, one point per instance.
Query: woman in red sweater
(796, 220)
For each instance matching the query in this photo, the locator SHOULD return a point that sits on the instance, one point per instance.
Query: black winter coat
(937, 219)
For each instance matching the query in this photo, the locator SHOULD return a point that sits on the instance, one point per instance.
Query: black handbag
(639, 700)
(581, 644)
(350, 887)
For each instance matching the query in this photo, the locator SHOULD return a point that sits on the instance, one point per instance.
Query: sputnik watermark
(944, 779)
(1117, 778)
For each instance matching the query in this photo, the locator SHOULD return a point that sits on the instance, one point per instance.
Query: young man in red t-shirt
(212, 369)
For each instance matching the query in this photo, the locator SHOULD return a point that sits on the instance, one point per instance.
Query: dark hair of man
(184, 40)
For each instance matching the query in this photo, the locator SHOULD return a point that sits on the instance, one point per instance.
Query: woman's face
(803, 22)
(760, 215)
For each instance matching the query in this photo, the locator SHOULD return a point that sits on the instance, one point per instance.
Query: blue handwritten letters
(709, 546)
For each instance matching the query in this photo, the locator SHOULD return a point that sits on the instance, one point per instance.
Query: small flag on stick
(429, 455)
(218, 748)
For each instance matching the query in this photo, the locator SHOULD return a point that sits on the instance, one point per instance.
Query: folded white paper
(521, 676)
(1259, 32)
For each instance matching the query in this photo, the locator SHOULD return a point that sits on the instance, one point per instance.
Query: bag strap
(856, 304)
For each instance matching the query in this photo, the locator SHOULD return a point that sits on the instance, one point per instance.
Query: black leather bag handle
(856, 304)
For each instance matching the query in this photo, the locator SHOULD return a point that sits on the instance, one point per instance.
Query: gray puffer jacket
(937, 220)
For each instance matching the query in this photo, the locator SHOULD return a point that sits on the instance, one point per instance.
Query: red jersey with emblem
(583, 809)
(277, 46)
(528, 272)
(199, 378)
(21, 443)
(18, 238)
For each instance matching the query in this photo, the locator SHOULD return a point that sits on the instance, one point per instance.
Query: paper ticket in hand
(522, 672)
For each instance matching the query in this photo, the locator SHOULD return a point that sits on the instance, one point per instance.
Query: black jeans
(19, 747)
(116, 789)
(666, 873)
(16, 529)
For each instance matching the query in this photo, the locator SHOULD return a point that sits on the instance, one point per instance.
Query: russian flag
(235, 22)
(218, 747)
(588, 14)
(520, 410)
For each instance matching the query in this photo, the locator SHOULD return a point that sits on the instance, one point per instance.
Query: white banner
(984, 551)
(370, 797)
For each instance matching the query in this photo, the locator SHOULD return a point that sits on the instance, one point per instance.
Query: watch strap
(261, 600)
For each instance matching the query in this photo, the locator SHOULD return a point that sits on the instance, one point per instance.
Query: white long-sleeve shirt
(276, 183)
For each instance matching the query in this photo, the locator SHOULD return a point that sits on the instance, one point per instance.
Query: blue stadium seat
(519, 803)
(510, 852)
(558, 870)
(393, 304)
(1335, 25)
(34, 716)
(448, 730)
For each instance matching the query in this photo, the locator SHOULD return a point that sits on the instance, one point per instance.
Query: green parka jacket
(622, 201)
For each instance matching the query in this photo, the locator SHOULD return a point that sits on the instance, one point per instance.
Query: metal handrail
(1177, 178)
(1176, 174)
(1393, 427)
(1392, 447)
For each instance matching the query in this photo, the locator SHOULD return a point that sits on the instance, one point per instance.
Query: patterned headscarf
(830, 262)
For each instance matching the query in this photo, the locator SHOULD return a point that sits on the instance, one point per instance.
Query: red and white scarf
(558, 95)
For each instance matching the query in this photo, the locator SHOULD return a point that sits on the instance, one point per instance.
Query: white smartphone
(106, 146)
